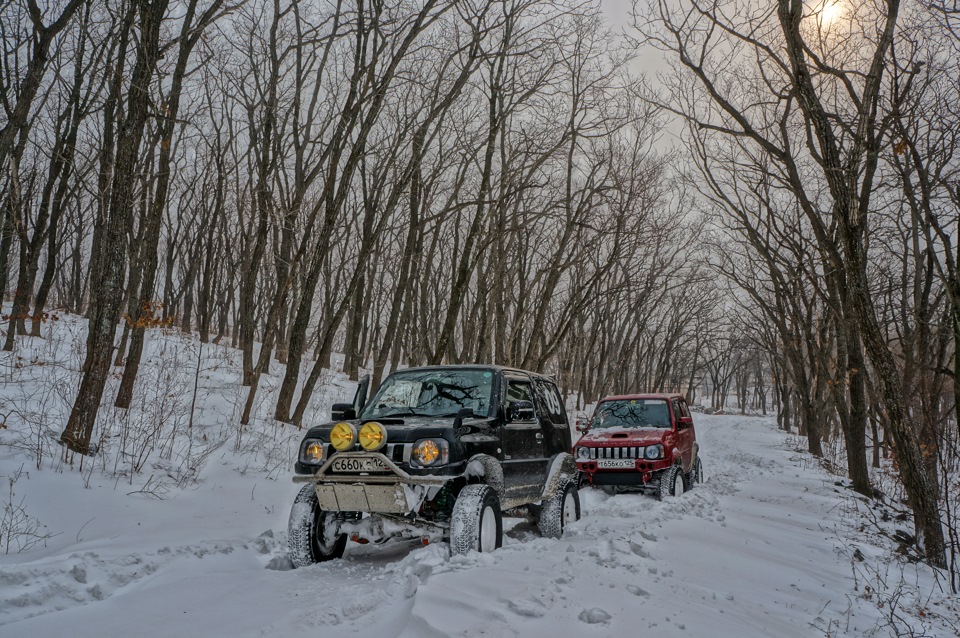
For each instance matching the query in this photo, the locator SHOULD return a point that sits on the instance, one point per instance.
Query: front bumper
(641, 473)
(392, 491)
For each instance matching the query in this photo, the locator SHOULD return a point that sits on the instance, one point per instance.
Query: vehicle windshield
(632, 413)
(434, 393)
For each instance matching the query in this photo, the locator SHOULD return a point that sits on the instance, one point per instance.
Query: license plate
(363, 464)
(616, 463)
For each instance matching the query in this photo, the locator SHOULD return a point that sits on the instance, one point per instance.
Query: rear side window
(549, 398)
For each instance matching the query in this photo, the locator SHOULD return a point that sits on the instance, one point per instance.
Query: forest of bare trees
(420, 182)
(824, 142)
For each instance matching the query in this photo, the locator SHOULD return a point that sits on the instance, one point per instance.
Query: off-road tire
(562, 508)
(694, 476)
(305, 531)
(475, 510)
(671, 481)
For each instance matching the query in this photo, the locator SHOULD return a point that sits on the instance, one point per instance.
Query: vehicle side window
(550, 400)
(519, 391)
(684, 409)
(676, 410)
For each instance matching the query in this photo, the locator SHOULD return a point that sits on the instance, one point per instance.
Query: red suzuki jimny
(640, 441)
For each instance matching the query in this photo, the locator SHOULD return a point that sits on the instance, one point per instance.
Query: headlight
(373, 436)
(428, 452)
(343, 436)
(583, 453)
(312, 451)
(653, 452)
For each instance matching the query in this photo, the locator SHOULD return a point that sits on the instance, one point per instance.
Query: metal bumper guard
(395, 492)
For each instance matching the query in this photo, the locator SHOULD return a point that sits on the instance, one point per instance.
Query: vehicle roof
(646, 395)
(474, 366)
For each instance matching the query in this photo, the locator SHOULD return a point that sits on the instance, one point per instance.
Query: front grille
(616, 452)
(399, 452)
(396, 452)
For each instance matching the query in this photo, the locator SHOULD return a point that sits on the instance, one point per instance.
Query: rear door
(555, 426)
(681, 416)
(524, 460)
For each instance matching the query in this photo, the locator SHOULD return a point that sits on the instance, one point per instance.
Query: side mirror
(342, 412)
(520, 411)
(583, 423)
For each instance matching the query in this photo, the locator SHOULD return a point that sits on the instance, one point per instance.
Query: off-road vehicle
(640, 441)
(436, 454)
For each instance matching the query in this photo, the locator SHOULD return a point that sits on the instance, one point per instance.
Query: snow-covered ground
(769, 545)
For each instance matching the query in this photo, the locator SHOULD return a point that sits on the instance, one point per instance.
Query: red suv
(643, 441)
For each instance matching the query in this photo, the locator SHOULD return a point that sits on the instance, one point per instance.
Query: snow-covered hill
(769, 545)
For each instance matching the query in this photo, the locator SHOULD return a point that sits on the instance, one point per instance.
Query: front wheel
(671, 482)
(476, 523)
(311, 532)
(562, 508)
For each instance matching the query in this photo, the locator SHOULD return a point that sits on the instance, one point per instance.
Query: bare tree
(825, 142)
(106, 306)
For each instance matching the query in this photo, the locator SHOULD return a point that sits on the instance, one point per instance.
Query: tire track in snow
(62, 582)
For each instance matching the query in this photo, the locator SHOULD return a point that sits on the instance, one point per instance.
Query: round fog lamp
(373, 436)
(343, 436)
(583, 453)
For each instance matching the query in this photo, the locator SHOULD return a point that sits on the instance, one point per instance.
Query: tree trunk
(106, 305)
(142, 310)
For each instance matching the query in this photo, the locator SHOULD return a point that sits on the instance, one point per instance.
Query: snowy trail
(751, 552)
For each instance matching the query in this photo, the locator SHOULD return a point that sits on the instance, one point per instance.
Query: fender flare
(489, 469)
(561, 465)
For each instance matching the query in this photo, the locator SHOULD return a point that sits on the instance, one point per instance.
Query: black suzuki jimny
(435, 455)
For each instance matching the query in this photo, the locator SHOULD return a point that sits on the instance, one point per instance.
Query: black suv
(435, 455)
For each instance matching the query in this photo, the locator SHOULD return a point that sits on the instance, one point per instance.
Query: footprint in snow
(527, 608)
(638, 591)
(594, 616)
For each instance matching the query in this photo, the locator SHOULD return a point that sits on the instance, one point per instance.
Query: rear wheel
(311, 532)
(694, 476)
(476, 523)
(562, 508)
(671, 482)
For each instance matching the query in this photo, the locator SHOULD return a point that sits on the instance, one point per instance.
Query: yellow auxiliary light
(343, 436)
(373, 436)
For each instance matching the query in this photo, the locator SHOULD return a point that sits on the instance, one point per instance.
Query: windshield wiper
(409, 412)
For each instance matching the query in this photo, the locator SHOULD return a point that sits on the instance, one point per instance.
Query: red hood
(623, 436)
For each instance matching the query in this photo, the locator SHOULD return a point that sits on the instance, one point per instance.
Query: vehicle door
(684, 423)
(524, 460)
(555, 427)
